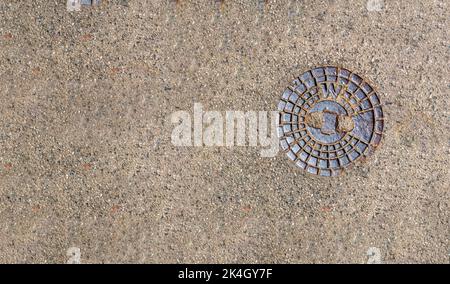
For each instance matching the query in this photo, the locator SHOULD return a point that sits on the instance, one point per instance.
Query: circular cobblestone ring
(329, 118)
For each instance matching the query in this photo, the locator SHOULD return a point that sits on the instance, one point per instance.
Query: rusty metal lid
(329, 118)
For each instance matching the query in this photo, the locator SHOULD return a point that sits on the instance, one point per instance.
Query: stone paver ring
(329, 118)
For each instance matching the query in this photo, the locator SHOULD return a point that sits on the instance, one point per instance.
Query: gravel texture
(86, 158)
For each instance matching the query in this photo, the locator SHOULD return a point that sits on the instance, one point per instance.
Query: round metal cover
(329, 118)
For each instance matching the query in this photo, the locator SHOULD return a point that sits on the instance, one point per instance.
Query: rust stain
(36, 71)
(115, 208)
(87, 166)
(35, 208)
(8, 166)
(86, 37)
(326, 209)
(115, 70)
(222, 4)
(7, 36)
(247, 208)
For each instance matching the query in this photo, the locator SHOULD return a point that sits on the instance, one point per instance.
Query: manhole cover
(329, 118)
